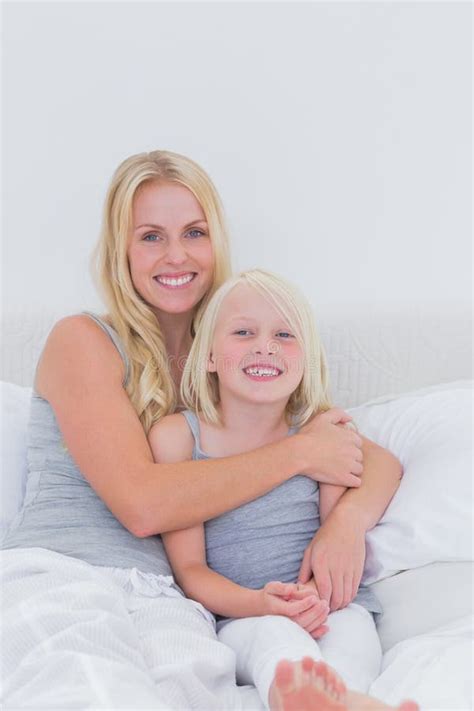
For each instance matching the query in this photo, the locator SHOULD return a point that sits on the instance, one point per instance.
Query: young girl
(255, 374)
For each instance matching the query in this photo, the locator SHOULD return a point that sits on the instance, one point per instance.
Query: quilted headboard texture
(370, 354)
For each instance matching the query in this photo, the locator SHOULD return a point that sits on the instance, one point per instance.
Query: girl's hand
(333, 452)
(313, 619)
(300, 603)
(336, 558)
(275, 599)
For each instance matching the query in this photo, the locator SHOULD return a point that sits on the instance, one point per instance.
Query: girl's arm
(186, 552)
(80, 373)
(170, 441)
(337, 553)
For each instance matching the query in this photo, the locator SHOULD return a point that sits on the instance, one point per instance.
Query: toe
(409, 706)
(284, 676)
(320, 675)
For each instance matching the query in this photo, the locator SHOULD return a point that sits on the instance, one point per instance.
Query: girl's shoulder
(171, 439)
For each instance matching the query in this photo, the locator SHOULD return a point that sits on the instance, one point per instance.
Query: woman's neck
(176, 330)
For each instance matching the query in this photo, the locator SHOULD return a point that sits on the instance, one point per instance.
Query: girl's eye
(285, 334)
(195, 233)
(242, 331)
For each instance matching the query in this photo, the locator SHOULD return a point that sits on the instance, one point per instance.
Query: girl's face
(169, 249)
(255, 352)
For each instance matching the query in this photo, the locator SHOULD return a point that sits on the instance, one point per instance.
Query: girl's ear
(211, 366)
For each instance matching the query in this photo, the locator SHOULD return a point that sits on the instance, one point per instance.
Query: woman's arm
(328, 498)
(80, 373)
(337, 553)
(380, 480)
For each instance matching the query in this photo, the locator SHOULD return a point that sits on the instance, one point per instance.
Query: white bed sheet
(433, 668)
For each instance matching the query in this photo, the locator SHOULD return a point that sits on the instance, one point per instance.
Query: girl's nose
(263, 347)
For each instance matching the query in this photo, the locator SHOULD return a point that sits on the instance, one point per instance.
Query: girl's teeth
(261, 371)
(175, 282)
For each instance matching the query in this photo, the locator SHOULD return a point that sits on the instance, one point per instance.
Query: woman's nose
(176, 253)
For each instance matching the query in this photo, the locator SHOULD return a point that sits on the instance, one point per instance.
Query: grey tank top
(265, 539)
(62, 512)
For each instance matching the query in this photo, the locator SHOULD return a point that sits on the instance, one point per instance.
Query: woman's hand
(300, 603)
(333, 452)
(336, 558)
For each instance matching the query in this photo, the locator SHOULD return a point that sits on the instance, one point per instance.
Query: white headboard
(371, 354)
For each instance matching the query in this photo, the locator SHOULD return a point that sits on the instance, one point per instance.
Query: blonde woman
(255, 375)
(95, 498)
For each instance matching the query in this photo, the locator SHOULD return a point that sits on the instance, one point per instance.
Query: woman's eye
(151, 237)
(195, 233)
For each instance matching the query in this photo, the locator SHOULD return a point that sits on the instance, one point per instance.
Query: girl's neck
(245, 426)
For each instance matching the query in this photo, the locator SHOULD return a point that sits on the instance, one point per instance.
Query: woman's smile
(170, 251)
(175, 281)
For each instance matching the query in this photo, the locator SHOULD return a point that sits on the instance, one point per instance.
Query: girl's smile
(255, 353)
(262, 371)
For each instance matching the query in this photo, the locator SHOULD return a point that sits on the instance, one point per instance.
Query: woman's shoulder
(82, 322)
(81, 334)
(76, 343)
(88, 332)
(76, 327)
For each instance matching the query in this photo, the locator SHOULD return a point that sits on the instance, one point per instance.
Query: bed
(405, 376)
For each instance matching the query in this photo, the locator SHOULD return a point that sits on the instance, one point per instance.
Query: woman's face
(255, 353)
(169, 249)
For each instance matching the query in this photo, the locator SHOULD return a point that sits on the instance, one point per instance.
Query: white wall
(339, 136)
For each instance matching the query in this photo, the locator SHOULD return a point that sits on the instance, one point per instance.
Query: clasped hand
(333, 449)
(299, 602)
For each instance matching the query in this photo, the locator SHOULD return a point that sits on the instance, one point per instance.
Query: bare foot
(314, 686)
(360, 702)
(307, 686)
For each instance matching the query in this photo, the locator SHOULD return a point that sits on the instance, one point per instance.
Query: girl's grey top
(265, 539)
(62, 512)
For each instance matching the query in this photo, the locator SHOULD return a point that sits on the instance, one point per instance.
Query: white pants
(76, 636)
(351, 647)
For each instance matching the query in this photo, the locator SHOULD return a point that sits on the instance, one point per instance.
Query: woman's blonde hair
(150, 386)
(200, 388)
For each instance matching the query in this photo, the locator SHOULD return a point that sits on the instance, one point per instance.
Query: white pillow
(15, 403)
(429, 519)
(419, 601)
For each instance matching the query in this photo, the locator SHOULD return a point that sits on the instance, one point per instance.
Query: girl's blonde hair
(200, 388)
(150, 386)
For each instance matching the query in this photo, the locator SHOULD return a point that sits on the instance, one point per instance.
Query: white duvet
(434, 668)
(77, 637)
